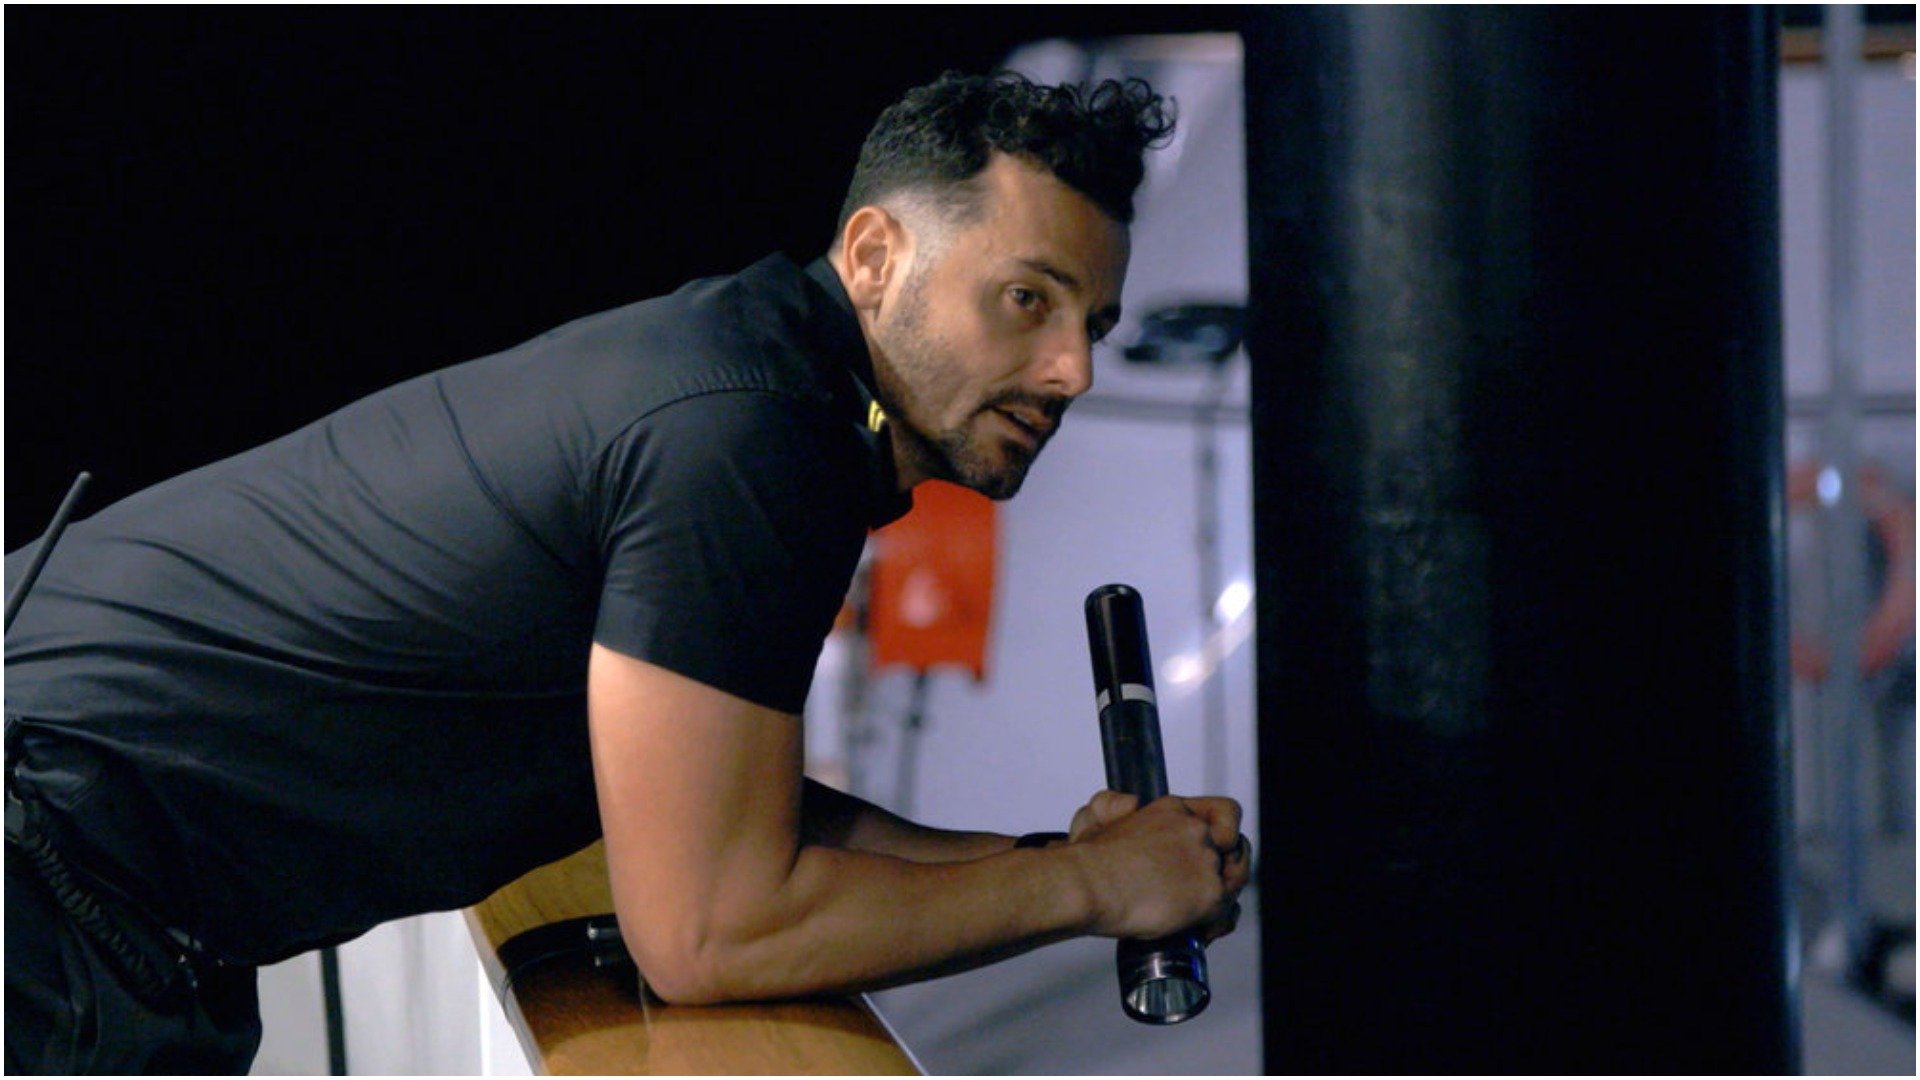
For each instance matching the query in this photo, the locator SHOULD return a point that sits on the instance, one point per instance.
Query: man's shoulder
(773, 289)
(746, 331)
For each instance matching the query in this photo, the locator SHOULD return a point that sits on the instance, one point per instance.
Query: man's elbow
(675, 986)
(675, 975)
(695, 969)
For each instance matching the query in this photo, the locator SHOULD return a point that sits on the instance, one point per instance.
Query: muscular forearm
(835, 819)
(846, 921)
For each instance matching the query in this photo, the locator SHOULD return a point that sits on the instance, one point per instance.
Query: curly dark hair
(941, 135)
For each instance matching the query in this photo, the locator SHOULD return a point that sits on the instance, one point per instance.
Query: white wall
(1884, 196)
(416, 1004)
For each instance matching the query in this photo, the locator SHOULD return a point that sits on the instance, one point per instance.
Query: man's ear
(875, 248)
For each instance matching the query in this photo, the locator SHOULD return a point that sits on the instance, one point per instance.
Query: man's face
(989, 339)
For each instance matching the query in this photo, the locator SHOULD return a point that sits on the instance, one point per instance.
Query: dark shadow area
(224, 223)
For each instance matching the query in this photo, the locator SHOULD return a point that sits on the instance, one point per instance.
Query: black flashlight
(1163, 981)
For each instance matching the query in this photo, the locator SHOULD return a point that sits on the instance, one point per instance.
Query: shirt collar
(839, 328)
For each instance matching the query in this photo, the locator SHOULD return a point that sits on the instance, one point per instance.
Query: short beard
(913, 356)
(966, 466)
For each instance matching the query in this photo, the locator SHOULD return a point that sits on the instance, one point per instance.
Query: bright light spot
(1829, 486)
(1233, 602)
(1185, 670)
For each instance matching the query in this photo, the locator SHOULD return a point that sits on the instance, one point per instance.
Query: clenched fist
(1175, 864)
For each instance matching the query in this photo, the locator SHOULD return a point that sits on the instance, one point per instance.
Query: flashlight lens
(1166, 1001)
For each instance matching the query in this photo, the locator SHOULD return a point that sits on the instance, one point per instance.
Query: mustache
(1052, 406)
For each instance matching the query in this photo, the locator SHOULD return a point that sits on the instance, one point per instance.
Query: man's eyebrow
(1041, 266)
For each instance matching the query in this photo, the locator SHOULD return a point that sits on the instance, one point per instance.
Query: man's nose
(1067, 367)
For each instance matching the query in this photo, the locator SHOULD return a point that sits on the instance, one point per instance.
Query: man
(458, 629)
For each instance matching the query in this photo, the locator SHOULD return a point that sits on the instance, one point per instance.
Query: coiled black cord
(151, 982)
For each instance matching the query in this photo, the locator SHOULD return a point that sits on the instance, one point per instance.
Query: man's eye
(1026, 298)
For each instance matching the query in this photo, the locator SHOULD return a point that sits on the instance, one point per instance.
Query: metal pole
(1842, 524)
(911, 725)
(336, 1014)
(1213, 688)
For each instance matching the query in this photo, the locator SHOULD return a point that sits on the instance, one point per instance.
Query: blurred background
(224, 224)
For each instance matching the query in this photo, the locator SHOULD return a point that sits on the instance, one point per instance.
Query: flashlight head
(1163, 982)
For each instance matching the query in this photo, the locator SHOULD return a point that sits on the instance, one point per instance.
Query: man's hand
(1176, 864)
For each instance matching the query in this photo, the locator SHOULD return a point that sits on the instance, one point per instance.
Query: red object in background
(932, 582)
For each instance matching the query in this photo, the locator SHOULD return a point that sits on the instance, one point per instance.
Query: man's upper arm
(699, 796)
(729, 525)
(730, 528)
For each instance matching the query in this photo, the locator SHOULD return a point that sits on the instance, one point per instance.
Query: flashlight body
(1163, 981)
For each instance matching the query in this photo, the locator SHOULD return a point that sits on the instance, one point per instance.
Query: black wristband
(1039, 839)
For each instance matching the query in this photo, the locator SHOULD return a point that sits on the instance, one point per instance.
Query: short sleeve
(729, 524)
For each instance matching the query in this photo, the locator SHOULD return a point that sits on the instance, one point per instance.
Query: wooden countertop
(579, 1008)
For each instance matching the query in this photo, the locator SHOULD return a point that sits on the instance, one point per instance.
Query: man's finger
(1236, 867)
(1222, 925)
(1103, 809)
(1222, 817)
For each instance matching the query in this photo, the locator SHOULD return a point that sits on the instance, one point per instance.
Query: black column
(1518, 520)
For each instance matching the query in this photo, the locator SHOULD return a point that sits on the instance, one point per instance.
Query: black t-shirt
(341, 678)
